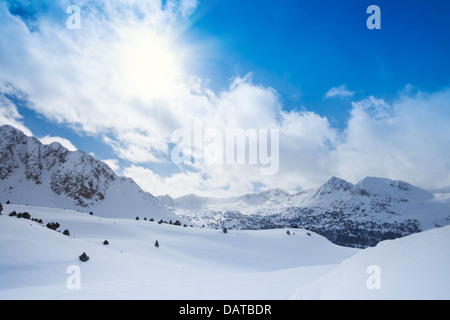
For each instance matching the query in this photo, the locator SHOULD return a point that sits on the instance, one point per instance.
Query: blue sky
(303, 48)
(137, 71)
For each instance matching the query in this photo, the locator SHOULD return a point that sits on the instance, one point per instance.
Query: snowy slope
(50, 175)
(414, 267)
(200, 263)
(190, 263)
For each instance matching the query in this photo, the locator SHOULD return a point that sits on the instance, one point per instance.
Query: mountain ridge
(358, 215)
(51, 175)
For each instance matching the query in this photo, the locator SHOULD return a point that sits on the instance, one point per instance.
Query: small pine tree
(1, 208)
(225, 230)
(106, 242)
(84, 257)
(288, 233)
(66, 233)
(137, 218)
(157, 244)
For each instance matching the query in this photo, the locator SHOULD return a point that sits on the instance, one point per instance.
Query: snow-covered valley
(190, 263)
(199, 263)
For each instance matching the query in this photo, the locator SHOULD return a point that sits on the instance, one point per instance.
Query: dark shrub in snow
(24, 215)
(53, 225)
(84, 257)
(66, 233)
(37, 220)
(106, 242)
(157, 244)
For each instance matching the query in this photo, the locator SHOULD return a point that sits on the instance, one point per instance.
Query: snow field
(191, 263)
(414, 267)
(198, 263)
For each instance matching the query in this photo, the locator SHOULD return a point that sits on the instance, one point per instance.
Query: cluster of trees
(53, 225)
(23, 215)
(176, 223)
(289, 233)
(26, 215)
(145, 219)
(56, 225)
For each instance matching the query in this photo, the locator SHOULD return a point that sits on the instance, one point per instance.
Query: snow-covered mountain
(52, 176)
(348, 214)
(358, 215)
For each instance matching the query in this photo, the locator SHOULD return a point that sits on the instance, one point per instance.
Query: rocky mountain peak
(51, 175)
(332, 185)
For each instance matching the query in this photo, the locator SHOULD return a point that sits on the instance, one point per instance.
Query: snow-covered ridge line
(360, 215)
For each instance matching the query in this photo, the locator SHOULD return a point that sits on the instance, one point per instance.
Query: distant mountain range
(357, 215)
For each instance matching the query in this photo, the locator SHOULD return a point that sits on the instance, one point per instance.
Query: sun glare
(151, 66)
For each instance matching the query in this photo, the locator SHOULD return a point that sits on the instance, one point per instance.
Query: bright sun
(151, 66)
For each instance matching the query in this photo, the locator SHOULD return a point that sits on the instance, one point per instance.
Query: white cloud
(113, 164)
(188, 7)
(63, 141)
(340, 91)
(408, 140)
(10, 115)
